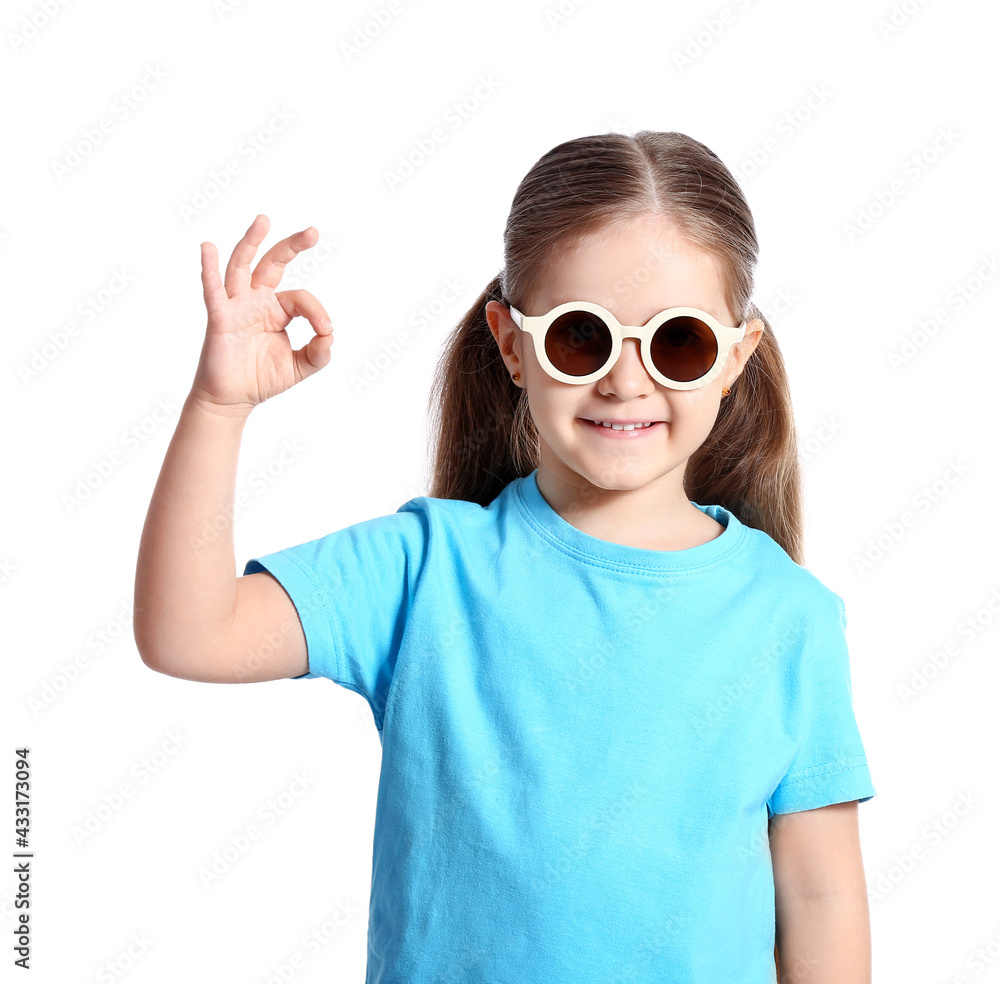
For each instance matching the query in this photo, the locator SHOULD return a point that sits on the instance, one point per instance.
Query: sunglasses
(578, 342)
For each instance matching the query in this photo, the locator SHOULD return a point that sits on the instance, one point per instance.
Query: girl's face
(635, 269)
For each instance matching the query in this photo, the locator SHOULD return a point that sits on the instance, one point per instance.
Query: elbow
(150, 645)
(172, 663)
(142, 644)
(149, 652)
(149, 658)
(165, 666)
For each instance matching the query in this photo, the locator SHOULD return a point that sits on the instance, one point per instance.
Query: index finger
(215, 296)
(269, 271)
(238, 269)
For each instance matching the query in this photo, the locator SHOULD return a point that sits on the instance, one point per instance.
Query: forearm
(826, 940)
(185, 583)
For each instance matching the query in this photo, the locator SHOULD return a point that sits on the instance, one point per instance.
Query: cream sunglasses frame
(537, 325)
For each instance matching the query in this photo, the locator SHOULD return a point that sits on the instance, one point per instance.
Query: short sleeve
(829, 764)
(352, 591)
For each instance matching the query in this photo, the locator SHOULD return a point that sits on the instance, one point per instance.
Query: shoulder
(420, 523)
(462, 512)
(443, 513)
(446, 509)
(796, 586)
(444, 521)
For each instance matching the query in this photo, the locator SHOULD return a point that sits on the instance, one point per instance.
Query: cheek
(549, 403)
(554, 415)
(539, 408)
(694, 417)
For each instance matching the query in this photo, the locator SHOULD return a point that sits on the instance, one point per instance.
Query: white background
(879, 440)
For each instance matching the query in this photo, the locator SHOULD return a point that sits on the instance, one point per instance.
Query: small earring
(725, 391)
(516, 376)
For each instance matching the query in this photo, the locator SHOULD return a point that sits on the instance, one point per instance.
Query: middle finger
(238, 268)
(269, 271)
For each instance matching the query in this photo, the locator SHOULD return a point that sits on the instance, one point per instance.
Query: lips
(622, 423)
(620, 433)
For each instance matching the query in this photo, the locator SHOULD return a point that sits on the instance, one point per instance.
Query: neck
(656, 515)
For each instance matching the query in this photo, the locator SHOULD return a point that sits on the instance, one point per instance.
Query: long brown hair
(483, 431)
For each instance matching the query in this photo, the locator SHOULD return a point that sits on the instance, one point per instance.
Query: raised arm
(194, 617)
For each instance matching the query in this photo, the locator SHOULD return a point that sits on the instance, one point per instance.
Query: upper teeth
(619, 427)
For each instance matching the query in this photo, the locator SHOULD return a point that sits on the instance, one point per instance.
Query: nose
(628, 377)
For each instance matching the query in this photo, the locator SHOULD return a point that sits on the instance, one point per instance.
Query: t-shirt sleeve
(352, 590)
(829, 764)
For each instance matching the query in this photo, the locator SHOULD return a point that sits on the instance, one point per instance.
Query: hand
(247, 357)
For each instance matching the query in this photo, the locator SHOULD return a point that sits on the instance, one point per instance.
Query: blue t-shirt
(582, 741)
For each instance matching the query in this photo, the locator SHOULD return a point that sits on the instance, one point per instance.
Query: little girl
(618, 738)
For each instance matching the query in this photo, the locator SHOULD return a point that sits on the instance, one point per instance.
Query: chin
(622, 474)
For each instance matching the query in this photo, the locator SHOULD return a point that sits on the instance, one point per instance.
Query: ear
(507, 337)
(741, 352)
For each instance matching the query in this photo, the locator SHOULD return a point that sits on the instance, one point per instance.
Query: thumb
(313, 356)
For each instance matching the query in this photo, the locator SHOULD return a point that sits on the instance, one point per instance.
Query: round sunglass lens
(578, 343)
(684, 349)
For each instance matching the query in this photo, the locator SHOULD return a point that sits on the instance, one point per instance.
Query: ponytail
(485, 437)
(749, 462)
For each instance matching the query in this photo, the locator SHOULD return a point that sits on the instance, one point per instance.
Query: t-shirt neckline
(605, 553)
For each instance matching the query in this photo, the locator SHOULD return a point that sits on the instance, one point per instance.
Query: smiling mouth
(623, 424)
